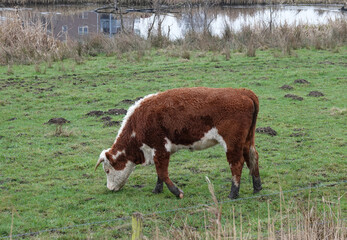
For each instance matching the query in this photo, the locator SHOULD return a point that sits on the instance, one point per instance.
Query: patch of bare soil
(194, 170)
(266, 130)
(138, 186)
(57, 121)
(294, 97)
(327, 62)
(315, 94)
(301, 81)
(298, 132)
(129, 101)
(107, 118)
(12, 119)
(286, 87)
(117, 111)
(95, 113)
(111, 123)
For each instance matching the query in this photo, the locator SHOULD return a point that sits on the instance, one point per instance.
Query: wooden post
(137, 223)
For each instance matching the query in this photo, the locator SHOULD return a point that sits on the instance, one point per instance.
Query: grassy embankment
(47, 179)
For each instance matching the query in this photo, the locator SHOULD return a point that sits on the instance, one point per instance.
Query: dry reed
(27, 41)
(169, 2)
(314, 220)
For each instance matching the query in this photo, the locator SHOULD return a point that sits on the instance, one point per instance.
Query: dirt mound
(315, 94)
(111, 123)
(295, 97)
(117, 111)
(286, 87)
(301, 81)
(107, 118)
(95, 113)
(129, 101)
(266, 130)
(12, 119)
(58, 121)
(298, 132)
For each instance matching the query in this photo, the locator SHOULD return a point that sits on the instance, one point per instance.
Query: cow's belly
(211, 138)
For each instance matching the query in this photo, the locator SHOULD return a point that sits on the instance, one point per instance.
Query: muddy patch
(117, 111)
(111, 123)
(194, 170)
(95, 113)
(138, 186)
(294, 97)
(129, 101)
(286, 87)
(58, 121)
(106, 119)
(301, 81)
(315, 94)
(266, 130)
(298, 132)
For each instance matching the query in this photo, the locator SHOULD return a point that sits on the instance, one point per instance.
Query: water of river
(77, 22)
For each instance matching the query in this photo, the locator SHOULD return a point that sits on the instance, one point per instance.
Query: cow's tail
(253, 154)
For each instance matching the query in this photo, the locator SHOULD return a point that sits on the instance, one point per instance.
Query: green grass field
(48, 181)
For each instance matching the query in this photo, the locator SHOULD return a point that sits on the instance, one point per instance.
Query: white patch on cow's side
(149, 153)
(118, 154)
(117, 178)
(210, 139)
(130, 112)
(133, 134)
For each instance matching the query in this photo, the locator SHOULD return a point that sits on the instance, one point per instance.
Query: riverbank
(167, 2)
(23, 42)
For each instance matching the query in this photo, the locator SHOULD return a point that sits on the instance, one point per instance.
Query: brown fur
(184, 116)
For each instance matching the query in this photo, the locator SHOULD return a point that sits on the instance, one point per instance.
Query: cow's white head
(116, 167)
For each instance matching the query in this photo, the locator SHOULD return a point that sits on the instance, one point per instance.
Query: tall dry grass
(292, 221)
(169, 2)
(26, 41)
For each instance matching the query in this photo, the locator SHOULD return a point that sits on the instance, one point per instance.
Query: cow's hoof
(233, 196)
(256, 190)
(157, 191)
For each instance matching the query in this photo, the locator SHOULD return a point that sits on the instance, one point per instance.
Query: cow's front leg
(236, 162)
(159, 187)
(161, 160)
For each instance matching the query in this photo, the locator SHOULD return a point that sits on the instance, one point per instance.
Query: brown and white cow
(187, 118)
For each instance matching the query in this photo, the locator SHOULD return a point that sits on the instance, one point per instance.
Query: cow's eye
(107, 171)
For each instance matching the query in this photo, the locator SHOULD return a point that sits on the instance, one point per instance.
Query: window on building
(83, 30)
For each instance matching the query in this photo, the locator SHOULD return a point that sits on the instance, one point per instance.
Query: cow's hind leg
(161, 160)
(236, 161)
(251, 157)
(159, 187)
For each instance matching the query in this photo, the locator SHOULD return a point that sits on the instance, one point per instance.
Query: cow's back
(185, 115)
